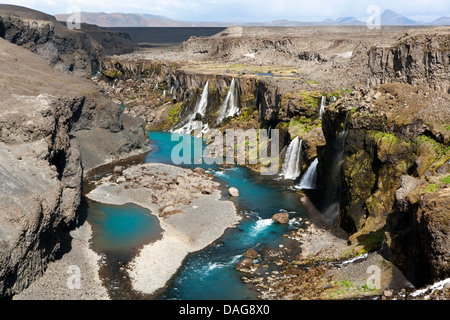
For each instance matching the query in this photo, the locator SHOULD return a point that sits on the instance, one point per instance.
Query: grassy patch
(446, 180)
(439, 148)
(348, 286)
(302, 125)
(386, 135)
(174, 114)
(432, 187)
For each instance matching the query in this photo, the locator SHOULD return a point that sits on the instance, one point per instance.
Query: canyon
(380, 148)
(363, 117)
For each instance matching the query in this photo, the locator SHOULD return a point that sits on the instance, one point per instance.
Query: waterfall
(291, 164)
(200, 108)
(230, 105)
(322, 106)
(309, 179)
(203, 103)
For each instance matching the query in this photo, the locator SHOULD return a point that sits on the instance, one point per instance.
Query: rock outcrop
(43, 114)
(413, 59)
(74, 51)
(391, 175)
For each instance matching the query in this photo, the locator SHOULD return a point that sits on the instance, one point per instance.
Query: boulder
(118, 170)
(199, 170)
(233, 192)
(244, 265)
(251, 254)
(282, 217)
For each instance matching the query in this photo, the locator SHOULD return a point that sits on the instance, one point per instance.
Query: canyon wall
(414, 59)
(49, 136)
(76, 51)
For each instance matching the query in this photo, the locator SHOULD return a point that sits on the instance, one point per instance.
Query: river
(209, 274)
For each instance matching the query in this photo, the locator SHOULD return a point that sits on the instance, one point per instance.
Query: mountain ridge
(117, 19)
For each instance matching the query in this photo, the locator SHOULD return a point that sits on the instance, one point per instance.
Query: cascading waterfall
(309, 179)
(200, 108)
(291, 164)
(322, 106)
(230, 105)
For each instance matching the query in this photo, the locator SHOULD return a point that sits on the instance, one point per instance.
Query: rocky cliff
(394, 170)
(52, 127)
(415, 58)
(76, 52)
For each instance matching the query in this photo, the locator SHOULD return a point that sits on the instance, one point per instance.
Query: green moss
(174, 114)
(304, 99)
(439, 149)
(301, 125)
(446, 180)
(432, 187)
(114, 74)
(282, 125)
(385, 135)
(311, 97)
(372, 241)
(248, 97)
(247, 113)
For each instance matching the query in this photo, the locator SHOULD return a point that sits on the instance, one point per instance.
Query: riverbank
(329, 268)
(61, 282)
(188, 206)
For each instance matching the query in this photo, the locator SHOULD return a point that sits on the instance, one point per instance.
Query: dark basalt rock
(76, 52)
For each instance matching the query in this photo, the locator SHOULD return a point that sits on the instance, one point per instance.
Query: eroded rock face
(42, 159)
(433, 219)
(41, 188)
(392, 178)
(413, 59)
(70, 51)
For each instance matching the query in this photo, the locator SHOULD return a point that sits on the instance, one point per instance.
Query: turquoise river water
(209, 274)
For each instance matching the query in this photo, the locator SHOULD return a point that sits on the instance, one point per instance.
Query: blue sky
(248, 10)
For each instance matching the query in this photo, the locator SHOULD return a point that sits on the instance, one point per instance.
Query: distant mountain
(442, 21)
(388, 18)
(103, 19)
(343, 21)
(391, 18)
(326, 22)
(282, 23)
